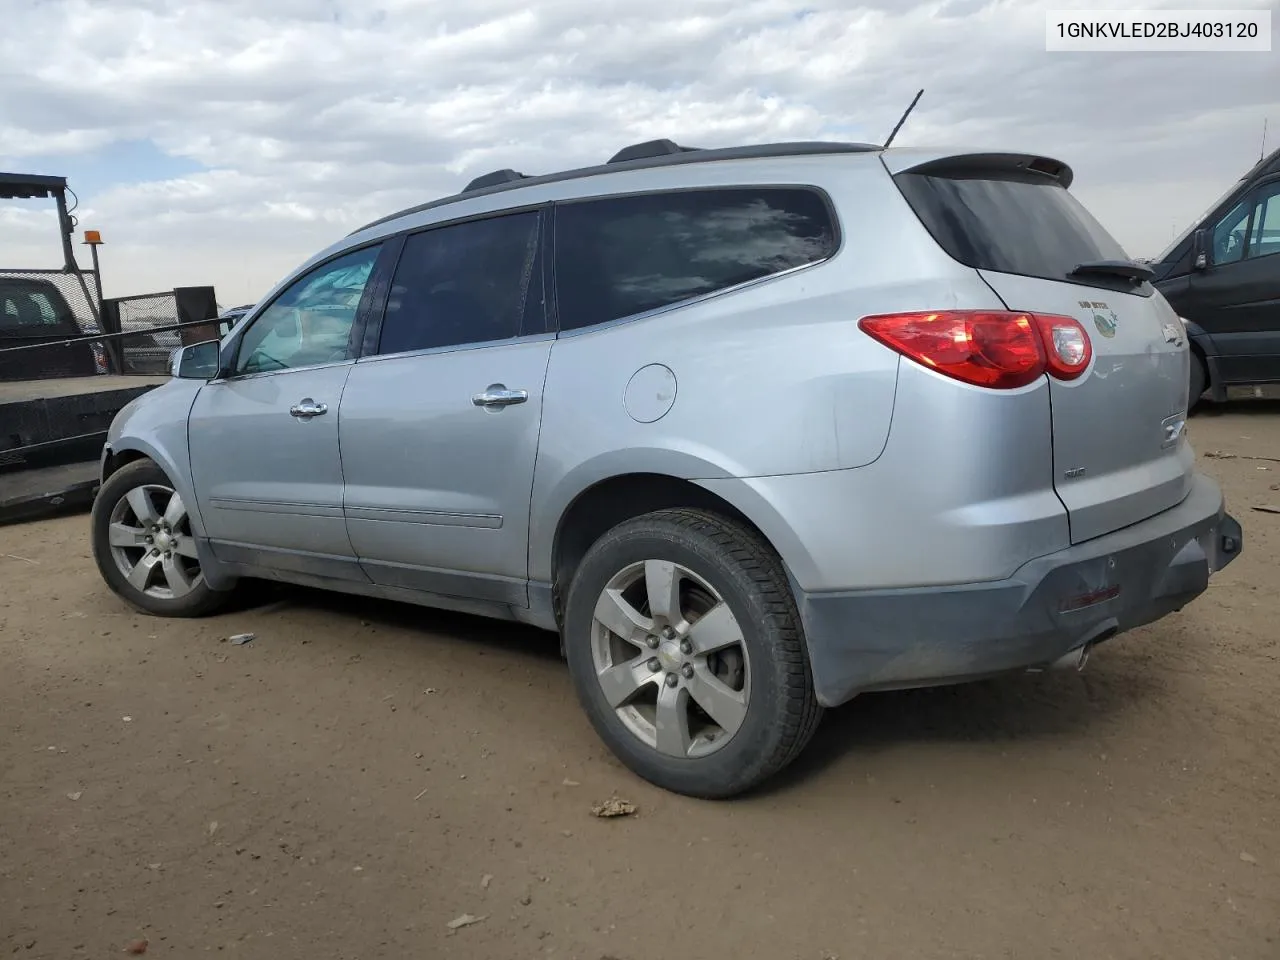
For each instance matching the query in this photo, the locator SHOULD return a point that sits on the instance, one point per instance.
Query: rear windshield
(1031, 227)
(30, 311)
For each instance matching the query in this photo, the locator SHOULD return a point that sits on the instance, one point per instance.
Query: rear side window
(1032, 227)
(471, 282)
(622, 256)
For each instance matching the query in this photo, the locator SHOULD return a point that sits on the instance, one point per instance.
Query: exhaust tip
(1077, 657)
(1073, 659)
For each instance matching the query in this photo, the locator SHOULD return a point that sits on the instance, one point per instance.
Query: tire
(135, 503)
(1199, 382)
(736, 644)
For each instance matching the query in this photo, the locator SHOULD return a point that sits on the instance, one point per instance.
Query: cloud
(306, 118)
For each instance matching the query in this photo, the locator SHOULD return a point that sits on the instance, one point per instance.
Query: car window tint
(311, 321)
(621, 256)
(470, 282)
(1228, 235)
(1265, 238)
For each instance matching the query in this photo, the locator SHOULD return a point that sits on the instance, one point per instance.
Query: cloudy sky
(223, 141)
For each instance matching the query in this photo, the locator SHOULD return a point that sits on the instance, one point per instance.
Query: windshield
(31, 309)
(1168, 251)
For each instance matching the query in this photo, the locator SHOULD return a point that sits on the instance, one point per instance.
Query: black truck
(33, 311)
(1223, 277)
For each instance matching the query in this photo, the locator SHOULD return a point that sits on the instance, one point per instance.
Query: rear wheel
(686, 651)
(1199, 381)
(144, 546)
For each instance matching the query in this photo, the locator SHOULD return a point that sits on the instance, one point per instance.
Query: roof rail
(650, 148)
(505, 175)
(510, 180)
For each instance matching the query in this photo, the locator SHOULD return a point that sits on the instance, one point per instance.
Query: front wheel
(144, 547)
(686, 652)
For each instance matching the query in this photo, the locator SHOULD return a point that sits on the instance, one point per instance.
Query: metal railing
(151, 316)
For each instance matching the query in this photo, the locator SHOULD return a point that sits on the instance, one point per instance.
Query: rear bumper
(1051, 606)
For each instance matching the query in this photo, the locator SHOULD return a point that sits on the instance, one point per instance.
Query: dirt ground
(362, 774)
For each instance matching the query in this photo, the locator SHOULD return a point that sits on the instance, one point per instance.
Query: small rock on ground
(614, 807)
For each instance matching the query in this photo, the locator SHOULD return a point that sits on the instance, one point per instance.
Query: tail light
(99, 358)
(989, 348)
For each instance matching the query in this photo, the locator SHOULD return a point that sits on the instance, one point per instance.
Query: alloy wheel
(151, 542)
(670, 658)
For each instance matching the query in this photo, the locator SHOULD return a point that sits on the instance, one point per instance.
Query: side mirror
(199, 361)
(1200, 250)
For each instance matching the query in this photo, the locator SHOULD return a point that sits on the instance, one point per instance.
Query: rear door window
(473, 282)
(622, 256)
(1010, 223)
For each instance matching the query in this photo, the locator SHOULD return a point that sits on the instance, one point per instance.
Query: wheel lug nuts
(651, 642)
(672, 679)
(654, 665)
(687, 670)
(686, 647)
(669, 633)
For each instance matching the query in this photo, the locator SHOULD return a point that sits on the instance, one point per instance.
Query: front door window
(310, 323)
(1229, 234)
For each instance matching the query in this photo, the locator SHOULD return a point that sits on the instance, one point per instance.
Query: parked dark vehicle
(34, 311)
(148, 353)
(230, 317)
(1223, 277)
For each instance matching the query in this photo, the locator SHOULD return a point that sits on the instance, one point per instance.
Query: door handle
(307, 408)
(496, 396)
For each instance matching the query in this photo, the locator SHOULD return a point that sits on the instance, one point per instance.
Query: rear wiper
(1128, 269)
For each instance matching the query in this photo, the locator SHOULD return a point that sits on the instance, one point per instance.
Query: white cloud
(314, 116)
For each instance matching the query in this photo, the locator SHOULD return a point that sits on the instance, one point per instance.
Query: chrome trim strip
(453, 348)
(278, 506)
(261, 374)
(487, 521)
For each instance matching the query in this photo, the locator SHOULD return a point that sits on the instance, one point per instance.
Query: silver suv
(754, 429)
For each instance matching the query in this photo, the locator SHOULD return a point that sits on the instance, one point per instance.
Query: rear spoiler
(939, 163)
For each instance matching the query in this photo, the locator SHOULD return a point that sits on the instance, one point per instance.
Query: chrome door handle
(497, 396)
(307, 408)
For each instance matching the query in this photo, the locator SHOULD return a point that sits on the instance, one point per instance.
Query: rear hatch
(1119, 447)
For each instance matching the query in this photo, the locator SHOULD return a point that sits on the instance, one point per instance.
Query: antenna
(1262, 152)
(902, 120)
